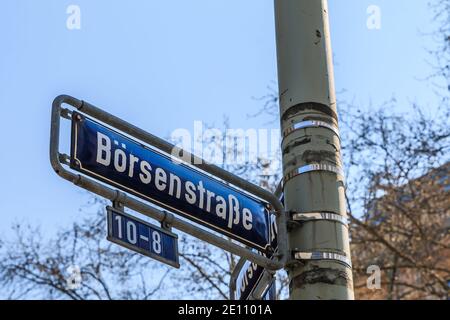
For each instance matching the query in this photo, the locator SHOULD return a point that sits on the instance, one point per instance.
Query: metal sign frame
(57, 161)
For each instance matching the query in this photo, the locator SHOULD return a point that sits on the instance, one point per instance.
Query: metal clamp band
(314, 216)
(309, 124)
(313, 167)
(319, 255)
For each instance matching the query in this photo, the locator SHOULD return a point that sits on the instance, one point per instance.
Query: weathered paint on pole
(313, 177)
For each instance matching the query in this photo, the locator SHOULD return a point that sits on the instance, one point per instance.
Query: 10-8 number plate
(142, 237)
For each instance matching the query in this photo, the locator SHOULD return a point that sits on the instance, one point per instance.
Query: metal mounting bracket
(118, 206)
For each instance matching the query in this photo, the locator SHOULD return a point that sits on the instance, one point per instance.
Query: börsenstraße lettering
(171, 183)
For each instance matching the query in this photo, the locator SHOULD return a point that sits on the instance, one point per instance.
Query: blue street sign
(251, 274)
(142, 237)
(113, 158)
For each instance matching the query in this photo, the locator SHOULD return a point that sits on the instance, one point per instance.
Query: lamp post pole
(313, 178)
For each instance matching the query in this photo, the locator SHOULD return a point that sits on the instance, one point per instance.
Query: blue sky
(161, 65)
